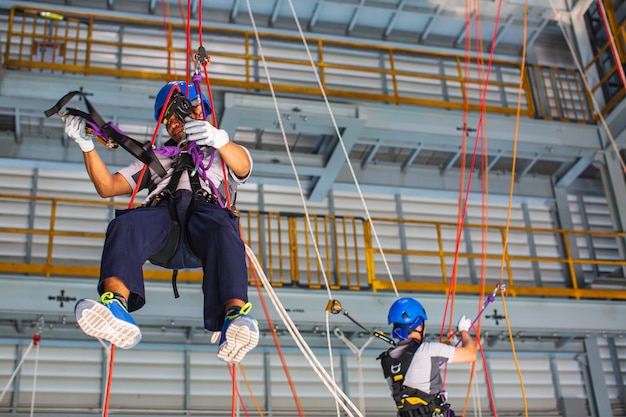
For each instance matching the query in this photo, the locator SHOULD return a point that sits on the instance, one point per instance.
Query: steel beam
(27, 298)
(351, 131)
(598, 386)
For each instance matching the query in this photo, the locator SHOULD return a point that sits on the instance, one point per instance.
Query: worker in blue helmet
(412, 368)
(187, 220)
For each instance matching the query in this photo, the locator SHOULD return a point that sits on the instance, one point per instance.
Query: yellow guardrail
(502, 258)
(282, 242)
(337, 250)
(73, 42)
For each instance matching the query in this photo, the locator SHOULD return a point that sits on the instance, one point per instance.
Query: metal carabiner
(201, 58)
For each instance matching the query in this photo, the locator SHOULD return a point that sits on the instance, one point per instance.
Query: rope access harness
(111, 136)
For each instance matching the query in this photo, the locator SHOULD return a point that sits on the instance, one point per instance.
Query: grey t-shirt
(423, 373)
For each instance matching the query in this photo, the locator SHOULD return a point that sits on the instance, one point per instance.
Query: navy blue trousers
(213, 234)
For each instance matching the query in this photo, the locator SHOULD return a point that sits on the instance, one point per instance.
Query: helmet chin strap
(409, 330)
(420, 332)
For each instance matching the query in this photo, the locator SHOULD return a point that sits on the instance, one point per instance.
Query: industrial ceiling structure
(383, 148)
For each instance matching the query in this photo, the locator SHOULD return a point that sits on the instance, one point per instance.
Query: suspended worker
(184, 222)
(412, 368)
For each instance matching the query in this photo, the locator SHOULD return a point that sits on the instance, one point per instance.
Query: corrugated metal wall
(174, 379)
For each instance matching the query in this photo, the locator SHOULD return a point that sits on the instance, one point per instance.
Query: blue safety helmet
(406, 314)
(159, 102)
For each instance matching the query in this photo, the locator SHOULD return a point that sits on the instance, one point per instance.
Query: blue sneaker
(107, 319)
(240, 334)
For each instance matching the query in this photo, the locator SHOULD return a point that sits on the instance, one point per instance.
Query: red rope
(452, 287)
(210, 95)
(107, 395)
(200, 22)
(460, 217)
(188, 48)
(232, 369)
(154, 136)
(233, 395)
(130, 205)
(463, 200)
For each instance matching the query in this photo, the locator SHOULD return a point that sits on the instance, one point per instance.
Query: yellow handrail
(515, 286)
(378, 73)
(349, 260)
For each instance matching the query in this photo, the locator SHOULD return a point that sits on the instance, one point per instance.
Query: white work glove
(204, 133)
(464, 324)
(75, 129)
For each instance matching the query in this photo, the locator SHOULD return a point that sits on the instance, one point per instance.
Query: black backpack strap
(396, 369)
(163, 256)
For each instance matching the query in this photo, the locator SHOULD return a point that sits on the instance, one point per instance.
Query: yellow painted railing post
(321, 65)
(307, 250)
(570, 262)
(246, 46)
(356, 254)
(369, 255)
(270, 250)
(442, 255)
(507, 260)
(345, 251)
(279, 237)
(53, 214)
(394, 77)
(9, 32)
(89, 43)
(293, 249)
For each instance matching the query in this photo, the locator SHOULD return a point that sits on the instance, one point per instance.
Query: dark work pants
(213, 233)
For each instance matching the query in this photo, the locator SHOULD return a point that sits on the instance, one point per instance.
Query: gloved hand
(204, 133)
(75, 129)
(464, 324)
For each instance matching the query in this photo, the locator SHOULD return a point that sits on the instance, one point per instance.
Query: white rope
(358, 352)
(331, 359)
(32, 399)
(596, 106)
(343, 147)
(17, 369)
(476, 398)
(291, 161)
(302, 197)
(341, 398)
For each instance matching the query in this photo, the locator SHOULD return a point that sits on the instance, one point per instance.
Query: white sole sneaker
(98, 321)
(242, 335)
